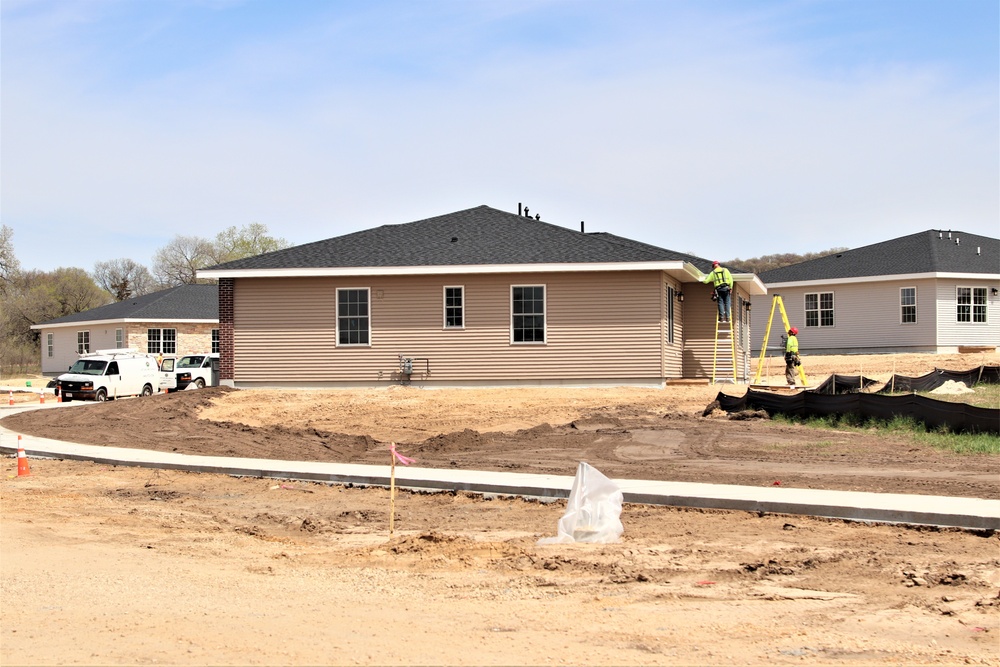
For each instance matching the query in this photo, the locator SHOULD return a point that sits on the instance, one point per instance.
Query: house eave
(449, 269)
(886, 278)
(683, 271)
(127, 320)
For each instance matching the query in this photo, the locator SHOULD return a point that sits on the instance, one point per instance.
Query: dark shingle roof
(475, 236)
(933, 251)
(186, 302)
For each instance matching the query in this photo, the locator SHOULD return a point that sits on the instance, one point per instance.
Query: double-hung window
(454, 307)
(972, 304)
(119, 338)
(353, 319)
(819, 309)
(908, 305)
(527, 313)
(82, 342)
(161, 341)
(50, 344)
(215, 341)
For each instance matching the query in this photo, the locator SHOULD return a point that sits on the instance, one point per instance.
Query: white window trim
(50, 344)
(902, 305)
(972, 304)
(819, 310)
(444, 304)
(545, 314)
(336, 307)
(80, 349)
(119, 338)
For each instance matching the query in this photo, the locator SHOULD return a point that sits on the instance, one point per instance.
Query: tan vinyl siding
(700, 314)
(598, 327)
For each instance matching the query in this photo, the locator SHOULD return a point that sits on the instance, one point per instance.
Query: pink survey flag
(405, 460)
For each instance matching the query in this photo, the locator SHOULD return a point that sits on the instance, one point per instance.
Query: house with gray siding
(935, 291)
(480, 297)
(179, 320)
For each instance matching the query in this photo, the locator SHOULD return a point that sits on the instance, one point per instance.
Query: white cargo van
(192, 371)
(109, 374)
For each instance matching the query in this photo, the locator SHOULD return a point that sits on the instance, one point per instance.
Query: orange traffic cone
(41, 395)
(11, 400)
(22, 460)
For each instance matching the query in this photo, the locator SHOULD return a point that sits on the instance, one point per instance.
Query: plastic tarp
(957, 417)
(843, 384)
(901, 383)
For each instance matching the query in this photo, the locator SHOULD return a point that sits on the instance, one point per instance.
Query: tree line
(29, 296)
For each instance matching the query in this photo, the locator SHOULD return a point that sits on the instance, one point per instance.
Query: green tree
(776, 261)
(247, 241)
(178, 262)
(9, 266)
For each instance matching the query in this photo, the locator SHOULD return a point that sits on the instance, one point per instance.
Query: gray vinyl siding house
(179, 320)
(935, 291)
(479, 297)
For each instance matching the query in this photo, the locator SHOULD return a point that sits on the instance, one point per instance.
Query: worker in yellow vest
(792, 361)
(722, 283)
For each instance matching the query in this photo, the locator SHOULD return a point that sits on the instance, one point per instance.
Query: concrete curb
(966, 513)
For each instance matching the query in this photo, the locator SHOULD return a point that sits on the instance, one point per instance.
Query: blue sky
(723, 129)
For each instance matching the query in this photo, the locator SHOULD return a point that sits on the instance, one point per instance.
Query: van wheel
(199, 383)
(147, 390)
(102, 395)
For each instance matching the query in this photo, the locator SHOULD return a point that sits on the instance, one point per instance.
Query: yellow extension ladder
(725, 330)
(776, 302)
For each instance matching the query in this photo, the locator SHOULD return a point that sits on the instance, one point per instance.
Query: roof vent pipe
(519, 208)
(978, 250)
(528, 216)
(940, 234)
(581, 227)
(956, 240)
(949, 233)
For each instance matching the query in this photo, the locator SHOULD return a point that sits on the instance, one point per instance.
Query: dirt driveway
(106, 565)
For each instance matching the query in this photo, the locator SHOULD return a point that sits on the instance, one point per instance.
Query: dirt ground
(114, 565)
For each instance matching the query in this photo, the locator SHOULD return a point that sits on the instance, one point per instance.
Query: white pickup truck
(192, 370)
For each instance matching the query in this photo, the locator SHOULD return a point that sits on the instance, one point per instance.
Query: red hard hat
(715, 263)
(793, 331)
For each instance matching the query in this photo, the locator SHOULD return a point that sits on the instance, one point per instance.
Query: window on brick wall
(161, 341)
(215, 341)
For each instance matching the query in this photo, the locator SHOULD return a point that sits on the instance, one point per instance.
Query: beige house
(180, 320)
(479, 297)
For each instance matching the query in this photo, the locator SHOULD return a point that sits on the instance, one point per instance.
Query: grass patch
(906, 427)
(984, 396)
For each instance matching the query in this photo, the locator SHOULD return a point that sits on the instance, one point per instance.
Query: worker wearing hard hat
(792, 361)
(722, 283)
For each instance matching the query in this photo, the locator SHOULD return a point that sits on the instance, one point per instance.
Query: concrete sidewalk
(968, 513)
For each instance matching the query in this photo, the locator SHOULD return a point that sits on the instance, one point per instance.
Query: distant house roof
(475, 236)
(186, 302)
(931, 252)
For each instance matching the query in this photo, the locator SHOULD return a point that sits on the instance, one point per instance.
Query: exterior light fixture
(680, 296)
(994, 290)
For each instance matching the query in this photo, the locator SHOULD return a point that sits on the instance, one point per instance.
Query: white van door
(168, 376)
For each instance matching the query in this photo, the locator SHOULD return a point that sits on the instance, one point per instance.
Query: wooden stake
(392, 491)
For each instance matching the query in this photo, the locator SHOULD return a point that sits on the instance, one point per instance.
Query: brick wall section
(226, 333)
(192, 338)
